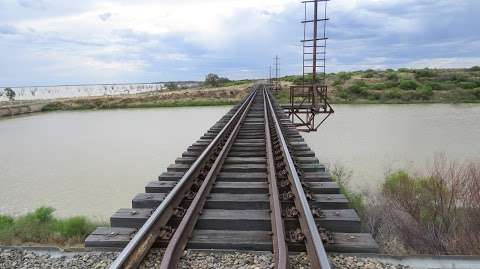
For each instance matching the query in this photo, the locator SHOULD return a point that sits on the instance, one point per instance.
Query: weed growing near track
(42, 227)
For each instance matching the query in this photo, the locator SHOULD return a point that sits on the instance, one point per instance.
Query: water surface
(374, 139)
(94, 162)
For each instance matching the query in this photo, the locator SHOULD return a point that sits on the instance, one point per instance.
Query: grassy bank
(113, 103)
(436, 213)
(228, 94)
(401, 86)
(41, 227)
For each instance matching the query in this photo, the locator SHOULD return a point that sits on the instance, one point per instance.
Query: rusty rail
(178, 242)
(133, 254)
(315, 250)
(280, 249)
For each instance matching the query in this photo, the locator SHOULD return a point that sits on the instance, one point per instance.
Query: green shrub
(392, 76)
(407, 84)
(377, 86)
(289, 78)
(344, 76)
(459, 77)
(6, 222)
(436, 86)
(374, 96)
(393, 93)
(359, 88)
(42, 214)
(424, 73)
(342, 176)
(460, 95)
(391, 84)
(37, 226)
(425, 93)
(337, 82)
(75, 227)
(369, 74)
(41, 226)
(476, 93)
(342, 93)
(475, 68)
(468, 85)
(403, 188)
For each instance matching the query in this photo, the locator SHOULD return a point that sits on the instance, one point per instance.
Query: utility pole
(311, 97)
(276, 73)
(270, 77)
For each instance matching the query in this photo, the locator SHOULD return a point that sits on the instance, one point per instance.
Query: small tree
(171, 86)
(407, 84)
(212, 80)
(10, 94)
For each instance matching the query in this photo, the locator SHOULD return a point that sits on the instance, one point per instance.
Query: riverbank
(19, 109)
(199, 96)
(436, 212)
(41, 227)
(218, 97)
(402, 86)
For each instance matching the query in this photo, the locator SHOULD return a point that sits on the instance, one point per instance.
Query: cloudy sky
(45, 42)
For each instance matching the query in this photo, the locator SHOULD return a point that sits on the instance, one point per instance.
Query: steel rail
(138, 247)
(280, 249)
(315, 249)
(179, 240)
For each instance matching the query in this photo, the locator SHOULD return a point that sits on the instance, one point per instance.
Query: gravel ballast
(20, 258)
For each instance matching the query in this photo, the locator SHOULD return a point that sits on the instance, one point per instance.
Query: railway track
(250, 183)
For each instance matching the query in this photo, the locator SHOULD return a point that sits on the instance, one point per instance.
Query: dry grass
(438, 213)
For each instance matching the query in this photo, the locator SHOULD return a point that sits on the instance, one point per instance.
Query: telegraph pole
(270, 77)
(276, 73)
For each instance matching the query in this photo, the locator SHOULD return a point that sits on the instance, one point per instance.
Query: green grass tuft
(75, 227)
(42, 227)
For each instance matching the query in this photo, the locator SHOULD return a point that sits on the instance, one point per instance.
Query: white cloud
(108, 40)
(452, 62)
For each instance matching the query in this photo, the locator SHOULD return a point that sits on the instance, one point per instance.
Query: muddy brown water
(93, 162)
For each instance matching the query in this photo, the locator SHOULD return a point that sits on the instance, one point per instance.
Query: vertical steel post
(270, 77)
(276, 72)
(315, 37)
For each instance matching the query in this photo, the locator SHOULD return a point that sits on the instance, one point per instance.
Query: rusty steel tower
(309, 99)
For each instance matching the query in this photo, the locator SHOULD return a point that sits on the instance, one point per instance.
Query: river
(93, 162)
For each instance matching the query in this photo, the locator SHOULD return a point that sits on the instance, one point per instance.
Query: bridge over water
(249, 183)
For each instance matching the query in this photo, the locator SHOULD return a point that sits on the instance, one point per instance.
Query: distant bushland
(401, 86)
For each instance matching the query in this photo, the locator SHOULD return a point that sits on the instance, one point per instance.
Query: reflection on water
(94, 162)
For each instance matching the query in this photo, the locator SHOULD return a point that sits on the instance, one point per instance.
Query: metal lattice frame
(310, 98)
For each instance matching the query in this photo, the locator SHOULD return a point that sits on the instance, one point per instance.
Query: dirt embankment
(19, 109)
(199, 96)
